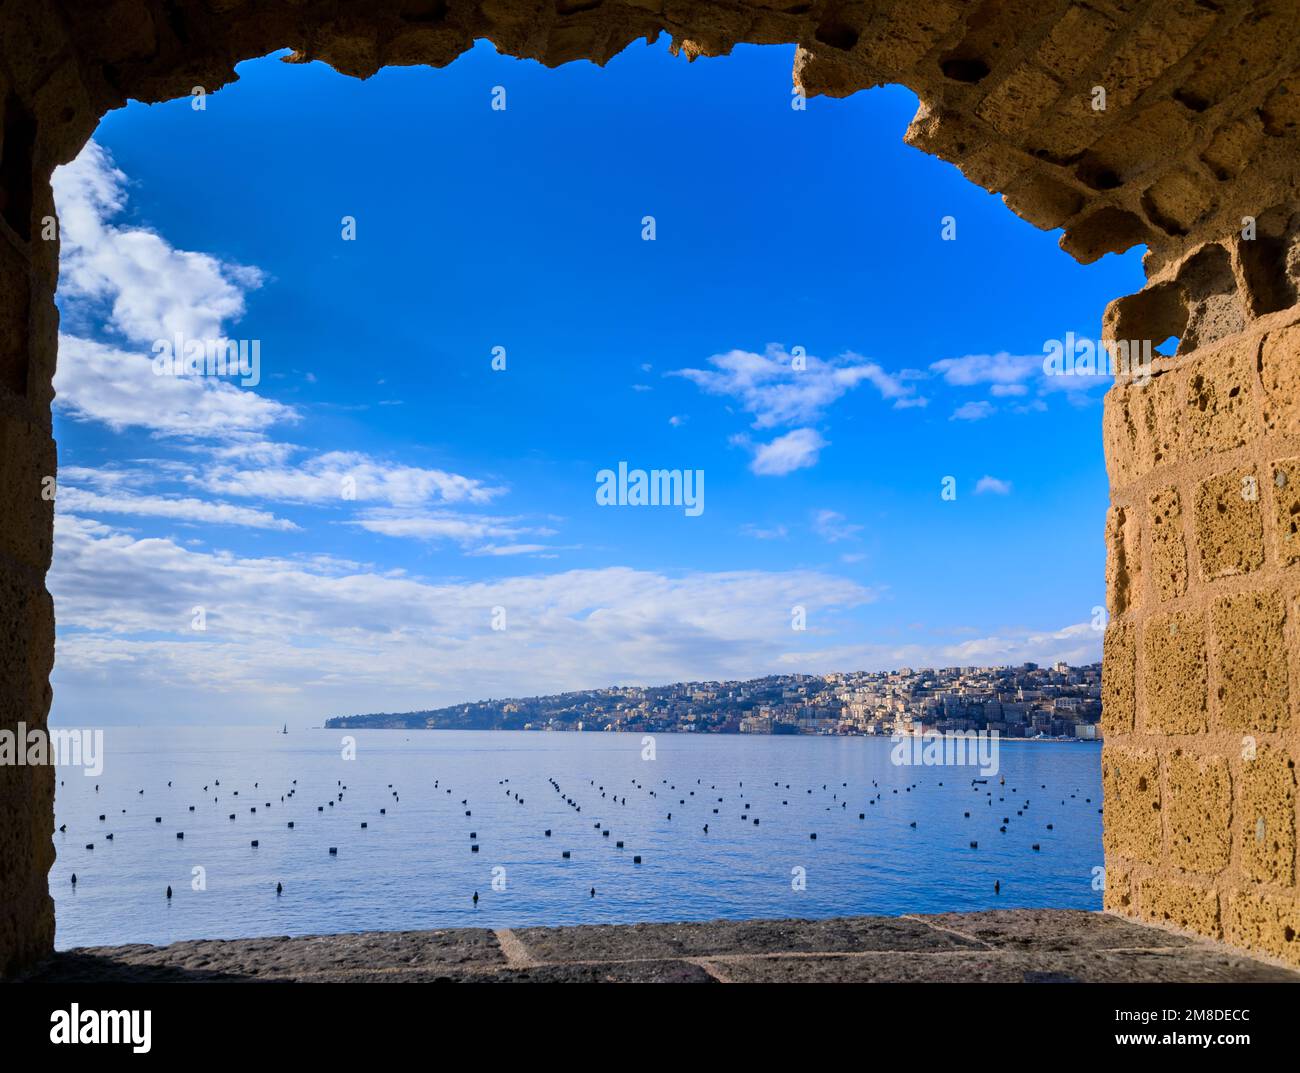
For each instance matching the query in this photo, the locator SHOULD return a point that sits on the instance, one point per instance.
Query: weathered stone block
(1266, 817)
(1118, 895)
(1279, 370)
(27, 464)
(1178, 904)
(1197, 812)
(1286, 510)
(1118, 674)
(1018, 98)
(1263, 922)
(1159, 424)
(1119, 435)
(1131, 788)
(1220, 406)
(1123, 561)
(1173, 674)
(1168, 547)
(1229, 527)
(1250, 669)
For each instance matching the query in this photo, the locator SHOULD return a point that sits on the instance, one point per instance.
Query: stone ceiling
(1199, 127)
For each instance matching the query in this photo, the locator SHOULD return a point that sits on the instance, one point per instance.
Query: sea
(398, 830)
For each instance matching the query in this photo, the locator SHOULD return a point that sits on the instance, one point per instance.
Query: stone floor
(1000, 946)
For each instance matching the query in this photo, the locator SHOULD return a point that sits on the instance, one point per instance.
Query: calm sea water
(413, 867)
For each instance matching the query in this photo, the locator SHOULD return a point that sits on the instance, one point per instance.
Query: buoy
(636, 860)
(74, 879)
(179, 834)
(565, 854)
(253, 843)
(279, 889)
(974, 845)
(476, 897)
(334, 851)
(169, 892)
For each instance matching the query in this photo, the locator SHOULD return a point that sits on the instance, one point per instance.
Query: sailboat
(286, 729)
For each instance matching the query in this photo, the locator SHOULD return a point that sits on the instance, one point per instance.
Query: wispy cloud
(833, 527)
(973, 411)
(1001, 368)
(785, 454)
(78, 500)
(339, 476)
(778, 390)
(321, 635)
(987, 485)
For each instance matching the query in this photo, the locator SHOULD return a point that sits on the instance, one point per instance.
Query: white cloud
(1077, 645)
(118, 388)
(465, 529)
(773, 532)
(338, 476)
(131, 282)
(80, 501)
(832, 526)
(325, 636)
(785, 454)
(973, 411)
(770, 388)
(993, 486)
(1001, 368)
(152, 290)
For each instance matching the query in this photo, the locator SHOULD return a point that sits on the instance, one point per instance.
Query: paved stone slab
(646, 972)
(1055, 929)
(624, 941)
(1003, 965)
(285, 957)
(972, 966)
(1008, 946)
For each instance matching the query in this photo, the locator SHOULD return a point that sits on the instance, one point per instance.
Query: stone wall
(1199, 128)
(1202, 679)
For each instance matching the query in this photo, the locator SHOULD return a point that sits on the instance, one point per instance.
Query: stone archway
(1198, 132)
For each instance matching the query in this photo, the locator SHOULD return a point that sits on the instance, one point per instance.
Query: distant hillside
(713, 704)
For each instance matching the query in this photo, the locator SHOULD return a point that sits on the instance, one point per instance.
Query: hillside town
(1026, 701)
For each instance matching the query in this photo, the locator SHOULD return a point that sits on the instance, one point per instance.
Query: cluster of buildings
(1027, 701)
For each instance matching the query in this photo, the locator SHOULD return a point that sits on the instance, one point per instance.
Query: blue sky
(476, 228)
